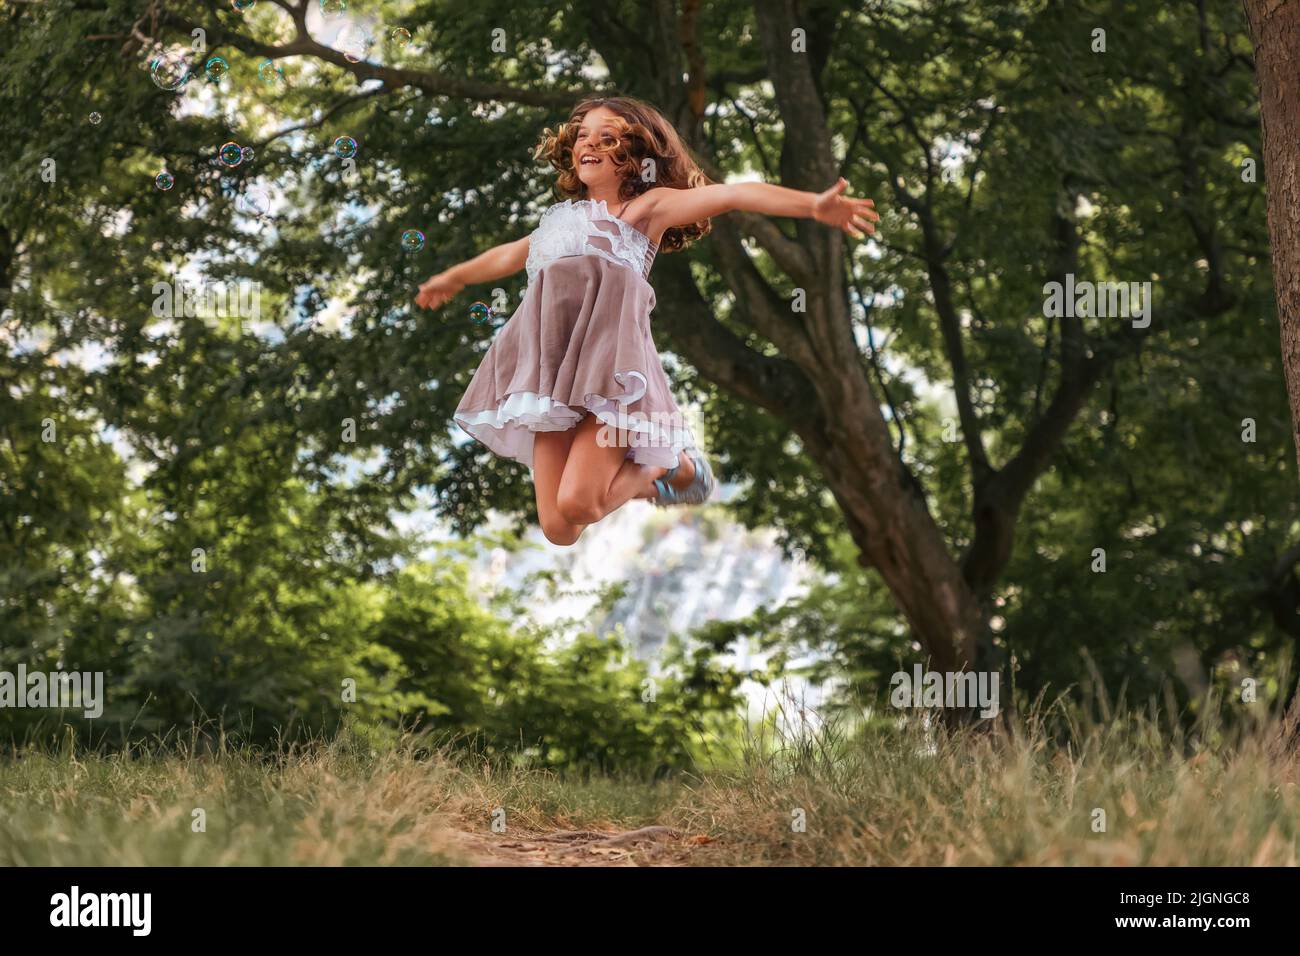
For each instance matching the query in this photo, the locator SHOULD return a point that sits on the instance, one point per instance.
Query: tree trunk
(1275, 31)
(897, 536)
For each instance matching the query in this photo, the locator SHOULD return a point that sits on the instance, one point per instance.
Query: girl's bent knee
(578, 509)
(561, 533)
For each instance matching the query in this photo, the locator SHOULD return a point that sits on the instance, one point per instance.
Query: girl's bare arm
(678, 207)
(497, 263)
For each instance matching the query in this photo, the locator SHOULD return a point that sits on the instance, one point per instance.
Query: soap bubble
(354, 41)
(95, 119)
(269, 73)
(345, 147)
(332, 8)
(216, 68)
(164, 180)
(246, 154)
(401, 36)
(254, 202)
(412, 240)
(170, 70)
(480, 312)
(231, 154)
(242, 5)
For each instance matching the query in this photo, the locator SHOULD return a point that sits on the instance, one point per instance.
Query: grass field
(884, 796)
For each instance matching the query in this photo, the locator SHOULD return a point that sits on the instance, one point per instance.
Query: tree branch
(771, 315)
(771, 382)
(435, 84)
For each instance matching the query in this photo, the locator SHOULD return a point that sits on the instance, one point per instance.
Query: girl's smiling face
(595, 168)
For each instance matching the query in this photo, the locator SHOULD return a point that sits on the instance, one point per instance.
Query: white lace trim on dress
(586, 228)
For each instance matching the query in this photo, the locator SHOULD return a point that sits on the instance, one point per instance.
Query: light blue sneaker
(697, 492)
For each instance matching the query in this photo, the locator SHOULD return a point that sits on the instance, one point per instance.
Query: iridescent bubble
(480, 312)
(216, 68)
(345, 147)
(164, 180)
(95, 119)
(170, 70)
(355, 41)
(246, 154)
(332, 8)
(242, 5)
(401, 36)
(254, 202)
(269, 73)
(231, 154)
(412, 240)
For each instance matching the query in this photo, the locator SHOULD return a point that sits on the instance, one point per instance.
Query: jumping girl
(573, 386)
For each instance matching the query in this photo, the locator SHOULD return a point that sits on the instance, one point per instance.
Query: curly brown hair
(643, 134)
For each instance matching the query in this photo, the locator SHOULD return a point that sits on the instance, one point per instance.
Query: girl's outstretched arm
(497, 263)
(665, 208)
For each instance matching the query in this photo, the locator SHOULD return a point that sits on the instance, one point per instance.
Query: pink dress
(579, 342)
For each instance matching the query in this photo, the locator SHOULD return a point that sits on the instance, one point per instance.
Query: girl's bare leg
(600, 478)
(550, 453)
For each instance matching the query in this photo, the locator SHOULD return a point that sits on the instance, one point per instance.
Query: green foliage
(226, 434)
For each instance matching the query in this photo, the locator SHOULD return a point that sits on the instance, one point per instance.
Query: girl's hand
(436, 290)
(854, 216)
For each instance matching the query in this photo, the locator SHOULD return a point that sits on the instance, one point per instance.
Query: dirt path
(648, 846)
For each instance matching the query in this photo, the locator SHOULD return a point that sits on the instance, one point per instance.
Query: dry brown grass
(891, 795)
